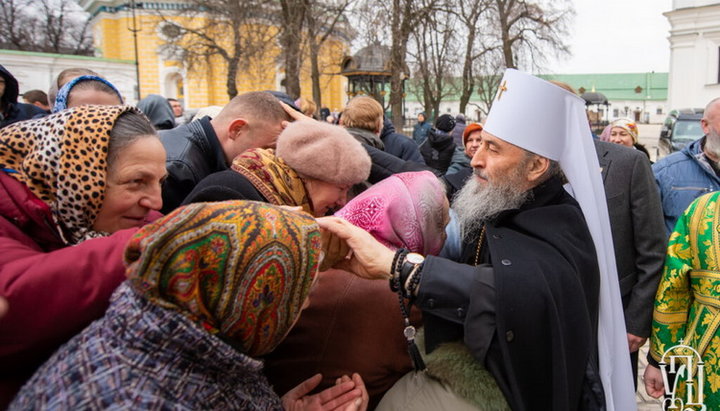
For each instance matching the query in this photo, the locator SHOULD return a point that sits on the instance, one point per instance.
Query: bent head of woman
(406, 210)
(98, 168)
(86, 90)
(328, 160)
(241, 270)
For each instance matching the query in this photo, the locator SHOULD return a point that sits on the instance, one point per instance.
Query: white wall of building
(694, 53)
(39, 70)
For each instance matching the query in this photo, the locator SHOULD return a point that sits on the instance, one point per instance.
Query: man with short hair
(687, 174)
(64, 77)
(37, 98)
(535, 296)
(202, 147)
(363, 119)
(10, 110)
(178, 110)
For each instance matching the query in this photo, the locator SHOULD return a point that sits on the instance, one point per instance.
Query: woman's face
(133, 186)
(473, 143)
(84, 97)
(325, 196)
(619, 135)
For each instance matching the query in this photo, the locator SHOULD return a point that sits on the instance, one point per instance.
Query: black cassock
(532, 318)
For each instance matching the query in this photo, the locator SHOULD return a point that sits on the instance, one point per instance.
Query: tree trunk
(315, 74)
(231, 82)
(293, 12)
(468, 80)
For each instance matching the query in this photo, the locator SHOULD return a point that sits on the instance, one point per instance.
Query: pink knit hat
(324, 152)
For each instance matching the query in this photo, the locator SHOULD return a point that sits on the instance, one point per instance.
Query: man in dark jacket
(399, 145)
(202, 147)
(438, 148)
(457, 133)
(10, 110)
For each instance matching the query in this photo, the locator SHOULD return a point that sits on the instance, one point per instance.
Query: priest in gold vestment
(687, 310)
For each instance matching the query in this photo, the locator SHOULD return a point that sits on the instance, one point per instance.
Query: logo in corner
(682, 363)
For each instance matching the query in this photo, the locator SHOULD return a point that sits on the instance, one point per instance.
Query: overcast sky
(617, 36)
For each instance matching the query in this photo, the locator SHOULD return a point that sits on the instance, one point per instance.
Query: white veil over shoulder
(545, 119)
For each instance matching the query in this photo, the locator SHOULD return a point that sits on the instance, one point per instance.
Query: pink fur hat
(324, 152)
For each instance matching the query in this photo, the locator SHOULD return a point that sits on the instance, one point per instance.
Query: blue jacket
(682, 177)
(420, 132)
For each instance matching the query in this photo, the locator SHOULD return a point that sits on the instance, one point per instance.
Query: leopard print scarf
(62, 158)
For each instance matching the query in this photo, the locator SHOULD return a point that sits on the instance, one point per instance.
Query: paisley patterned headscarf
(627, 125)
(239, 269)
(62, 159)
(404, 210)
(272, 177)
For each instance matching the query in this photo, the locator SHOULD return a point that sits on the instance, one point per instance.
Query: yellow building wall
(207, 85)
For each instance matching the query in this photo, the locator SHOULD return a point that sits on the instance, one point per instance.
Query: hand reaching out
(347, 395)
(370, 259)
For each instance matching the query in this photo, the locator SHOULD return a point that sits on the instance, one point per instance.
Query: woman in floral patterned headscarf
(625, 132)
(210, 286)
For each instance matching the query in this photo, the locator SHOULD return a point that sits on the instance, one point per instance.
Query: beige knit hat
(324, 152)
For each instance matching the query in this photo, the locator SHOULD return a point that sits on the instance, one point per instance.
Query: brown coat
(351, 325)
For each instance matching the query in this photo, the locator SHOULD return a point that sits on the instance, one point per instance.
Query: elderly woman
(74, 187)
(625, 132)
(353, 324)
(210, 286)
(460, 169)
(313, 167)
(85, 90)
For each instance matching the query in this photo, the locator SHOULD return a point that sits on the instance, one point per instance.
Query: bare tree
(323, 21)
(291, 37)
(434, 51)
(51, 26)
(239, 33)
(527, 31)
(469, 16)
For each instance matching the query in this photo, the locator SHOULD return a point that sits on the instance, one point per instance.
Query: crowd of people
(255, 257)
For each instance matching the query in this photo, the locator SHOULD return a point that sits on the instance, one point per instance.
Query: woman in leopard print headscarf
(71, 184)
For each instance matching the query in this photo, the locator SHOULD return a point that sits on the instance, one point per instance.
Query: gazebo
(368, 72)
(598, 121)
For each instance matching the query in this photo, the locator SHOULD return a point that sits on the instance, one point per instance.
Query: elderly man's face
(496, 159)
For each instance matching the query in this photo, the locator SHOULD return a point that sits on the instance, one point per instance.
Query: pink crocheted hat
(324, 152)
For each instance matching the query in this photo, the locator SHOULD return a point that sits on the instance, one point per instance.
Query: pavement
(649, 135)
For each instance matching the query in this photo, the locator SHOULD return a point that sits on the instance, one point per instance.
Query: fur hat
(324, 152)
(469, 129)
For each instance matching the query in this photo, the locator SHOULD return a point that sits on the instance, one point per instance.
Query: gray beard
(712, 143)
(476, 203)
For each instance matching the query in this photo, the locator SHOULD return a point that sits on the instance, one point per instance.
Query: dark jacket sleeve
(650, 244)
(459, 293)
(384, 165)
(180, 181)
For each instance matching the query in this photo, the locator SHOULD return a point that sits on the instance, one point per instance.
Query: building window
(616, 112)
(659, 110)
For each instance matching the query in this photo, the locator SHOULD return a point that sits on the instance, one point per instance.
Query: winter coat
(420, 132)
(682, 177)
(14, 111)
(437, 150)
(399, 145)
(459, 161)
(193, 153)
(72, 283)
(145, 357)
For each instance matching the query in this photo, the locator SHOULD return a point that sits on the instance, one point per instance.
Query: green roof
(615, 87)
(620, 86)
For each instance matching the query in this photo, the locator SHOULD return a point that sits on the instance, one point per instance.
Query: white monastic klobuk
(547, 120)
